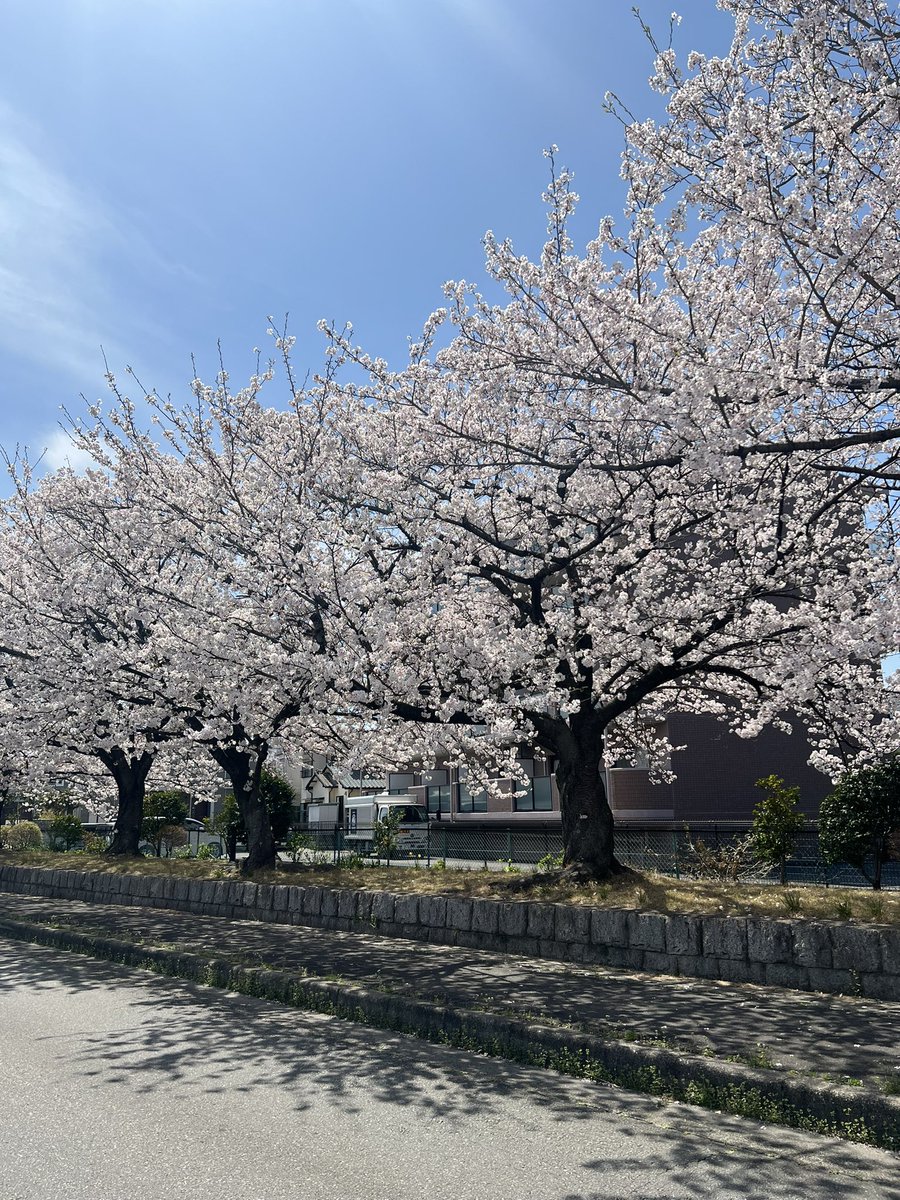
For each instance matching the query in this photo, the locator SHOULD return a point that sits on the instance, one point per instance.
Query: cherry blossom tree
(264, 640)
(86, 654)
(662, 474)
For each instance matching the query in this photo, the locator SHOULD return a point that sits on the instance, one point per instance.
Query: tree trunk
(244, 769)
(587, 821)
(130, 774)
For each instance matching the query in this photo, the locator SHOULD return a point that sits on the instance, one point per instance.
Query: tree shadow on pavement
(186, 1036)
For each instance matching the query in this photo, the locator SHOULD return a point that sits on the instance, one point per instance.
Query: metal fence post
(675, 852)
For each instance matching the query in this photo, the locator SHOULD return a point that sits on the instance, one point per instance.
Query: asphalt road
(118, 1084)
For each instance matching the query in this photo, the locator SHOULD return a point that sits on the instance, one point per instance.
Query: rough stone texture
(433, 911)
(382, 907)
(572, 924)
(824, 980)
(684, 936)
(660, 964)
(541, 921)
(512, 919)
(890, 950)
(485, 917)
(724, 937)
(406, 910)
(812, 945)
(459, 913)
(856, 960)
(787, 975)
(855, 949)
(647, 931)
(769, 941)
(364, 907)
(608, 927)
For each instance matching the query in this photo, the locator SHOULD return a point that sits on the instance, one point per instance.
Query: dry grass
(657, 893)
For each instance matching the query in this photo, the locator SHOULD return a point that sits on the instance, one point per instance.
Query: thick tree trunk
(587, 822)
(130, 774)
(244, 769)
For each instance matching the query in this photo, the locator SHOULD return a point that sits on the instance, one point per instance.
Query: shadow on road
(199, 1038)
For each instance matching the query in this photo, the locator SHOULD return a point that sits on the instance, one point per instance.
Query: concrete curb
(850, 1113)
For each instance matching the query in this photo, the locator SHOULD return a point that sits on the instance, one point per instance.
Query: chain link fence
(695, 850)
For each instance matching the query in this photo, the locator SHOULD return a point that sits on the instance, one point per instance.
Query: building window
(437, 798)
(467, 803)
(400, 783)
(538, 798)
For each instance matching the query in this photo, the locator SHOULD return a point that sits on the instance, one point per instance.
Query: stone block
(329, 907)
(459, 913)
(406, 910)
(856, 949)
(812, 945)
(609, 927)
(512, 918)
(660, 964)
(734, 970)
(573, 924)
(770, 941)
(822, 979)
(724, 937)
(296, 896)
(683, 936)
(382, 908)
(646, 931)
(879, 986)
(890, 950)
(523, 945)
(433, 911)
(541, 922)
(485, 917)
(312, 901)
(280, 897)
(347, 904)
(364, 907)
(787, 975)
(263, 902)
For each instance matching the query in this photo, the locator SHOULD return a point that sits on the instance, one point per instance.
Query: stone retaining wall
(807, 955)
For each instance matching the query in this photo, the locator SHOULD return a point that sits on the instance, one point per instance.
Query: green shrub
(387, 834)
(776, 824)
(26, 835)
(163, 809)
(856, 821)
(65, 831)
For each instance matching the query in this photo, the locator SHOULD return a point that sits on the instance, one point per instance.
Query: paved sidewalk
(831, 1038)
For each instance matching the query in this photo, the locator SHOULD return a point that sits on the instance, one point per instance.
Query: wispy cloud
(52, 292)
(60, 451)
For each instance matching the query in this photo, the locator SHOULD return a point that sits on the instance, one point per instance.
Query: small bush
(776, 824)
(728, 862)
(857, 820)
(24, 836)
(65, 832)
(551, 862)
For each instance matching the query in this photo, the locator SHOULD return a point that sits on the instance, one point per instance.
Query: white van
(362, 814)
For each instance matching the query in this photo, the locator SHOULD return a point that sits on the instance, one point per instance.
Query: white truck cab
(362, 814)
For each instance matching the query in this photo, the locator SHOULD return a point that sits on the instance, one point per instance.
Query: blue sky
(173, 171)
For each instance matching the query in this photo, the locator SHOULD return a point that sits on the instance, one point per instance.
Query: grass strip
(723, 1086)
